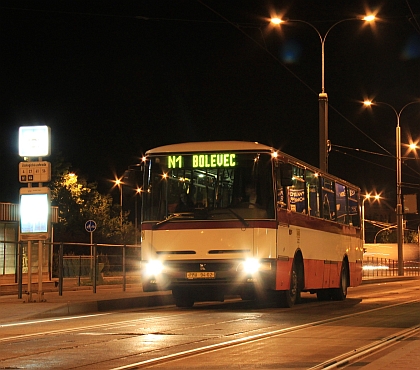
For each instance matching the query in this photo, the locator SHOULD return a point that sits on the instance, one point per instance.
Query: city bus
(245, 219)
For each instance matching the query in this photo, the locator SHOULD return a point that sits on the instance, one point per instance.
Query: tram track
(351, 357)
(122, 330)
(338, 361)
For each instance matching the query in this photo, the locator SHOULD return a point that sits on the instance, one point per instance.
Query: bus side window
(328, 200)
(297, 196)
(341, 203)
(354, 215)
(312, 190)
(283, 179)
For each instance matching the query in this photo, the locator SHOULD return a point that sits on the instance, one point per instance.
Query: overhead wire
(264, 47)
(240, 27)
(413, 19)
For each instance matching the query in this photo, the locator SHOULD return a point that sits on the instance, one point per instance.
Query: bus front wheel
(292, 295)
(183, 298)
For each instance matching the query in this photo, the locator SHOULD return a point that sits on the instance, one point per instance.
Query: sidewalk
(77, 301)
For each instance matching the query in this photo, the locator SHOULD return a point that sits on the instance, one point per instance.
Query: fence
(84, 264)
(382, 267)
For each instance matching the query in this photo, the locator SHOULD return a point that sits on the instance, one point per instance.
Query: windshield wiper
(239, 217)
(173, 216)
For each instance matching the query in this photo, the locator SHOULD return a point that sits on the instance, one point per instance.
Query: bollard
(123, 266)
(19, 270)
(95, 266)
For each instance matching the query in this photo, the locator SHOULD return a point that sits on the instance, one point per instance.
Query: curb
(386, 279)
(78, 308)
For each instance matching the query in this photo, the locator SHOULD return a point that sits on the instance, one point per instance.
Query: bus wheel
(248, 295)
(292, 295)
(182, 298)
(340, 294)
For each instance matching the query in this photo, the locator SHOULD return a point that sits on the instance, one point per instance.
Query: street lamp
(138, 193)
(324, 143)
(365, 198)
(400, 221)
(119, 183)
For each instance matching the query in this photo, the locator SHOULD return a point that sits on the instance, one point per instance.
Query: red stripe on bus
(284, 217)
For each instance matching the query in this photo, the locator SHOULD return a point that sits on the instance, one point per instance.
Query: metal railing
(84, 265)
(383, 267)
(79, 264)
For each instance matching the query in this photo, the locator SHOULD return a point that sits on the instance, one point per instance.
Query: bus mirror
(286, 174)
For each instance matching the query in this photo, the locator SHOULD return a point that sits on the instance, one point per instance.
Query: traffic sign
(34, 171)
(90, 226)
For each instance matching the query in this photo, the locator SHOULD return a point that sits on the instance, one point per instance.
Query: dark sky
(113, 79)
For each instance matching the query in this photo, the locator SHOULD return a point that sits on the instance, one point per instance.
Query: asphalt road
(232, 335)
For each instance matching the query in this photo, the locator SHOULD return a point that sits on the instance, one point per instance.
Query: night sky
(115, 78)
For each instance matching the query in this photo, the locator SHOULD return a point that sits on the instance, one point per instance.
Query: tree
(79, 202)
(390, 236)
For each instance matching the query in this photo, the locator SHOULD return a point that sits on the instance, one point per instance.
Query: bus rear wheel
(340, 294)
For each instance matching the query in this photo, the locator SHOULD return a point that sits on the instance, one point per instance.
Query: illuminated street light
(324, 143)
(138, 193)
(119, 183)
(366, 197)
(400, 221)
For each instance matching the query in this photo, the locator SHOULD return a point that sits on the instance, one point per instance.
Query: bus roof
(210, 146)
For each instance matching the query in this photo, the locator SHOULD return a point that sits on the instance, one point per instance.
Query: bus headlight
(251, 265)
(153, 268)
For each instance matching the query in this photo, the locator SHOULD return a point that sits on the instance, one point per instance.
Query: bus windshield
(213, 186)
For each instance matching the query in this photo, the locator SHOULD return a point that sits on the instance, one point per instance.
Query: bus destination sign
(216, 160)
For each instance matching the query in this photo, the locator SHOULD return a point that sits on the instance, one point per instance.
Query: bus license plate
(201, 275)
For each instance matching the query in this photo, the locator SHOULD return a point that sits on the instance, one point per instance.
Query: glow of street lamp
(413, 146)
(374, 197)
(369, 18)
(276, 20)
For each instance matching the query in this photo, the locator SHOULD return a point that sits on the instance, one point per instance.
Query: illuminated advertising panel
(34, 213)
(34, 141)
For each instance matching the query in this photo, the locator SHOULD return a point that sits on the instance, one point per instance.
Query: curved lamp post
(400, 221)
(323, 97)
(365, 198)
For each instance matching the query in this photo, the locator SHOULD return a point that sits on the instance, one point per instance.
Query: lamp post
(138, 193)
(324, 142)
(119, 183)
(400, 221)
(365, 198)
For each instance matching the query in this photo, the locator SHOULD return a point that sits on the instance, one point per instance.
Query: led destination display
(216, 160)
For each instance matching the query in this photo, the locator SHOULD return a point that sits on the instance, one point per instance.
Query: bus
(245, 219)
